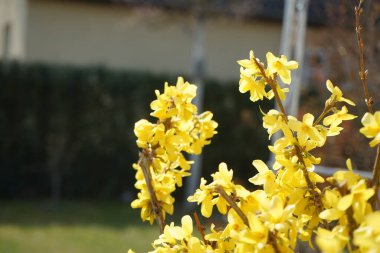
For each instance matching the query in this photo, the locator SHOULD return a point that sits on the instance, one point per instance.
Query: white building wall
(12, 29)
(119, 37)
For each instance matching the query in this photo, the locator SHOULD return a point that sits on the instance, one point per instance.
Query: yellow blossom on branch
(255, 78)
(367, 236)
(162, 164)
(305, 129)
(281, 66)
(292, 204)
(371, 127)
(332, 241)
(338, 116)
(336, 94)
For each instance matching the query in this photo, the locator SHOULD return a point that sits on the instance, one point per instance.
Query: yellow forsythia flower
(305, 129)
(265, 176)
(371, 129)
(337, 117)
(337, 94)
(332, 241)
(179, 239)
(254, 77)
(367, 236)
(207, 195)
(281, 66)
(178, 129)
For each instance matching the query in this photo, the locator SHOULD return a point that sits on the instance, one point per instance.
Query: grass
(72, 227)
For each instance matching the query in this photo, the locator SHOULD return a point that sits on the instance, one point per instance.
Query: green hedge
(72, 128)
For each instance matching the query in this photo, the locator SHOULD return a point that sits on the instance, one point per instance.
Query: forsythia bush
(290, 206)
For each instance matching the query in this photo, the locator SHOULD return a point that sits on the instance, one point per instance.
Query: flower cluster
(291, 205)
(162, 164)
(180, 239)
(258, 221)
(346, 202)
(255, 78)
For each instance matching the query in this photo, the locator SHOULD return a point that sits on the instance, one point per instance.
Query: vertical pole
(293, 46)
(198, 75)
(287, 27)
(299, 50)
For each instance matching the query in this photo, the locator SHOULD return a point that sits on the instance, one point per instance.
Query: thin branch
(363, 74)
(200, 227)
(271, 235)
(352, 225)
(232, 203)
(316, 196)
(273, 241)
(273, 83)
(376, 178)
(326, 110)
(144, 162)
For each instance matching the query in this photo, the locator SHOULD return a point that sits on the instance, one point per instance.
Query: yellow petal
(345, 202)
(177, 233)
(330, 86)
(308, 118)
(187, 224)
(276, 207)
(206, 208)
(349, 164)
(194, 245)
(375, 141)
(331, 214)
(260, 166)
(221, 204)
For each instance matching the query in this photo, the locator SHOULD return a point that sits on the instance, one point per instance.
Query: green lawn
(72, 227)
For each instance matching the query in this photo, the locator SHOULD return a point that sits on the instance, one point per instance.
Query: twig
(273, 83)
(144, 162)
(200, 227)
(272, 238)
(352, 225)
(271, 235)
(326, 110)
(363, 74)
(376, 178)
(232, 203)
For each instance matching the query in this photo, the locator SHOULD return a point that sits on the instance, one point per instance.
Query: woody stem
(363, 74)
(232, 203)
(273, 84)
(144, 162)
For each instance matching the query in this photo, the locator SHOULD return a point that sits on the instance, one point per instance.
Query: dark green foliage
(68, 131)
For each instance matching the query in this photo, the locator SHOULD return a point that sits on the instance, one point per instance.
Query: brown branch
(144, 162)
(271, 235)
(273, 83)
(272, 238)
(376, 178)
(363, 74)
(326, 110)
(352, 225)
(200, 227)
(232, 203)
(316, 196)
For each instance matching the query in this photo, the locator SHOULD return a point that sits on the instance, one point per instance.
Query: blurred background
(76, 75)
